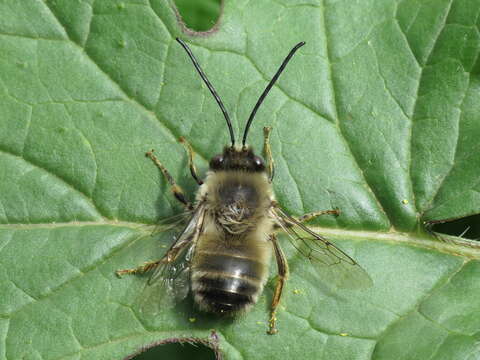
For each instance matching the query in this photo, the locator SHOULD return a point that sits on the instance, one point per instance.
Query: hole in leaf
(467, 227)
(199, 15)
(177, 351)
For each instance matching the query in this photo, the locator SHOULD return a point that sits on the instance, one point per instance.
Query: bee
(222, 256)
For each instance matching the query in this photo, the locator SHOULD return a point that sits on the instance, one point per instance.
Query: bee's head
(234, 158)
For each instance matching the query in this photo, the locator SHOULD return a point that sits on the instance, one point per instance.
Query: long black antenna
(269, 86)
(210, 87)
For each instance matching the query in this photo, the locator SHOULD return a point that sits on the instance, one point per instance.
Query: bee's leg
(268, 152)
(177, 190)
(312, 215)
(169, 257)
(307, 217)
(281, 279)
(191, 164)
(142, 269)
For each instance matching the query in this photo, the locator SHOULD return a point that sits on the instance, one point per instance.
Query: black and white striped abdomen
(227, 282)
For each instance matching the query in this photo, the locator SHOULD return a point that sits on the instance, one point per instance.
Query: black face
(233, 159)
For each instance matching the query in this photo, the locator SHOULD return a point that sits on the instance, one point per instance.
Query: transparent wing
(331, 263)
(170, 281)
(172, 284)
(175, 222)
(188, 236)
(172, 222)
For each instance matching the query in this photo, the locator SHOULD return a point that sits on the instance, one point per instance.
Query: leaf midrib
(450, 245)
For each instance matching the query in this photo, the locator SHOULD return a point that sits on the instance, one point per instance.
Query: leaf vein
(453, 163)
(416, 97)
(58, 177)
(287, 166)
(90, 148)
(338, 123)
(266, 79)
(416, 307)
(82, 272)
(439, 32)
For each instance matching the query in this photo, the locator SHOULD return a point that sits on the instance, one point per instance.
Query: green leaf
(378, 115)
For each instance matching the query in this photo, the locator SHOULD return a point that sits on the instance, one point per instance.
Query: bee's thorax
(237, 201)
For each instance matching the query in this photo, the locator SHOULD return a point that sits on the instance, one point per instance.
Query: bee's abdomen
(224, 295)
(226, 283)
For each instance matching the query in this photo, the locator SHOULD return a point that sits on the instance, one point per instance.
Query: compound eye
(217, 161)
(258, 162)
